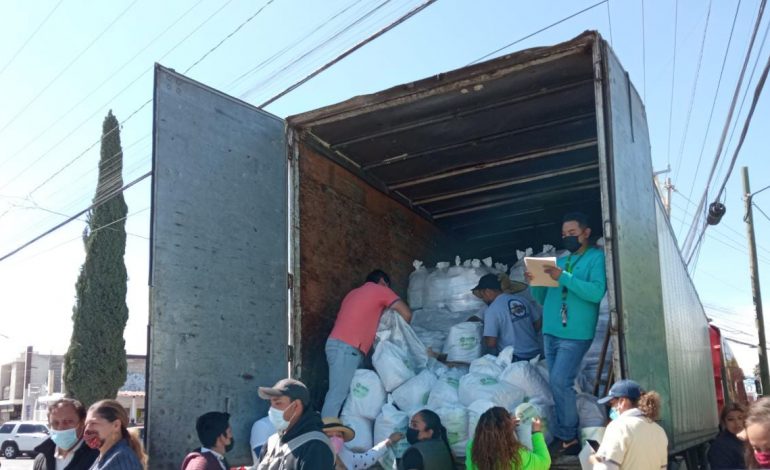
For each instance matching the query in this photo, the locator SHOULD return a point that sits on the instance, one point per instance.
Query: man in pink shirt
(353, 334)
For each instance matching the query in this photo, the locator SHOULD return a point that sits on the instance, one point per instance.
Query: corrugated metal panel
(694, 410)
(218, 297)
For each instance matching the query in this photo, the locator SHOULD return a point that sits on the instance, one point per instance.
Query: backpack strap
(299, 441)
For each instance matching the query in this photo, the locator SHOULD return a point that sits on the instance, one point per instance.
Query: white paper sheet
(537, 266)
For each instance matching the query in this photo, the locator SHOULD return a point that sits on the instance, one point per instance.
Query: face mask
(65, 439)
(337, 443)
(763, 458)
(229, 446)
(94, 441)
(276, 417)
(411, 436)
(614, 414)
(571, 243)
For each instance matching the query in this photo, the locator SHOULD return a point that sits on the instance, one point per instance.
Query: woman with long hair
(495, 447)
(107, 430)
(727, 450)
(633, 439)
(430, 448)
(758, 434)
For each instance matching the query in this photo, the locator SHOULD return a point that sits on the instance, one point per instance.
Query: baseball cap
(291, 388)
(623, 389)
(488, 281)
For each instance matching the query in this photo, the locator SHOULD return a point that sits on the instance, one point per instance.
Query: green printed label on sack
(453, 382)
(425, 398)
(453, 437)
(359, 391)
(468, 342)
(488, 381)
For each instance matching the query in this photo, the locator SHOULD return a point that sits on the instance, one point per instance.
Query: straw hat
(335, 425)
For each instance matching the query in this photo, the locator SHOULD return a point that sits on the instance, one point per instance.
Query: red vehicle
(728, 376)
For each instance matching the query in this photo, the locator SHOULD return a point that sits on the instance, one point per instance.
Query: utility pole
(755, 290)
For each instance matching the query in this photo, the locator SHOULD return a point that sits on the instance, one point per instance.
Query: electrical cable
(693, 228)
(609, 21)
(591, 7)
(673, 81)
(34, 33)
(349, 51)
(761, 211)
(66, 68)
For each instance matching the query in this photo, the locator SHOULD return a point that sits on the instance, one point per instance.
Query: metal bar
(496, 219)
(577, 187)
(521, 157)
(461, 114)
(602, 360)
(504, 184)
(476, 141)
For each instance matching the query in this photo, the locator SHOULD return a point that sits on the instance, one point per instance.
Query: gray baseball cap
(291, 388)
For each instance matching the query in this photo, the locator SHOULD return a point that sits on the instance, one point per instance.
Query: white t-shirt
(260, 432)
(633, 442)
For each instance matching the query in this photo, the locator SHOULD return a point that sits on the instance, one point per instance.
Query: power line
(349, 51)
(713, 106)
(67, 67)
(539, 31)
(31, 36)
(693, 228)
(673, 76)
(692, 95)
(760, 211)
(609, 21)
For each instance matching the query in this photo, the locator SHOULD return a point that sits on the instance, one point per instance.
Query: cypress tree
(95, 363)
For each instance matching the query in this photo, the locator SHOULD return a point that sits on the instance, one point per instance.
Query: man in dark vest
(65, 449)
(216, 438)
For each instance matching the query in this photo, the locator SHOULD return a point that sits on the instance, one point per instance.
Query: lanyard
(569, 267)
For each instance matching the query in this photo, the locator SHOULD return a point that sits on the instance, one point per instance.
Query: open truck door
(218, 311)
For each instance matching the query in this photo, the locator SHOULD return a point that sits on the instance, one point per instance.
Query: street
(20, 463)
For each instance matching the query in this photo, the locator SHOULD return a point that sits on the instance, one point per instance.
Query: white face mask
(276, 417)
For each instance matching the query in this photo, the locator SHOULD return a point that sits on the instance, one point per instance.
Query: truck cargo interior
(476, 163)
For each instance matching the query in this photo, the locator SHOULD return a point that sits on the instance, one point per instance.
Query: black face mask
(571, 243)
(411, 436)
(229, 446)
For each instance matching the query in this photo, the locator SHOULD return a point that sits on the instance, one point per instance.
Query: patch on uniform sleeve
(517, 308)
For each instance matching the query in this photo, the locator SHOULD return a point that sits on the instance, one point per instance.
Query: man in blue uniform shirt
(509, 319)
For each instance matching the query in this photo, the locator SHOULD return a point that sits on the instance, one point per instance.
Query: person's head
(288, 400)
(337, 433)
(575, 231)
(214, 431)
(106, 424)
(495, 444)
(732, 417)
(426, 425)
(67, 420)
(488, 288)
(378, 276)
(625, 395)
(758, 431)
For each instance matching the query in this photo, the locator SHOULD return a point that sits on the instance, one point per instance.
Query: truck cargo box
(260, 226)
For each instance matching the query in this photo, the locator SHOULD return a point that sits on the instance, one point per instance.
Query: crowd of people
(294, 435)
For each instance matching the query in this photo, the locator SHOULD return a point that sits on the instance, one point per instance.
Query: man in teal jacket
(570, 312)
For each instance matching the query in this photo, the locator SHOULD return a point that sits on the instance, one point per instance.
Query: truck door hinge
(290, 281)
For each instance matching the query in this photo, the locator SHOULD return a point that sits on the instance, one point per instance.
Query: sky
(65, 63)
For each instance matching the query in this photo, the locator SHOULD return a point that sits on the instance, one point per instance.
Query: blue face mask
(614, 414)
(65, 439)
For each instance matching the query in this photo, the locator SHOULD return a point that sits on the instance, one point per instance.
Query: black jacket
(726, 452)
(82, 460)
(313, 455)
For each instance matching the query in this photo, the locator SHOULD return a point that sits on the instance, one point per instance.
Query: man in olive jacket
(66, 419)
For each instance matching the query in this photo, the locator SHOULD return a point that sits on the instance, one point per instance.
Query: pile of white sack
(406, 380)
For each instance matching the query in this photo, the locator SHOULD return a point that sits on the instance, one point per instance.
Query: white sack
(526, 376)
(486, 365)
(455, 420)
(591, 413)
(547, 413)
(366, 396)
(391, 420)
(525, 413)
(415, 293)
(414, 393)
(363, 428)
(475, 410)
(395, 329)
(475, 387)
(464, 342)
(445, 392)
(392, 365)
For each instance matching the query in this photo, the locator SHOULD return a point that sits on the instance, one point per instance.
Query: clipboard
(536, 266)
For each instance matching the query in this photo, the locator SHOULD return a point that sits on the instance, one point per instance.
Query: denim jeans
(563, 357)
(343, 361)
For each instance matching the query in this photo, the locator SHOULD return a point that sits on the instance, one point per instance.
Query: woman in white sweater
(346, 459)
